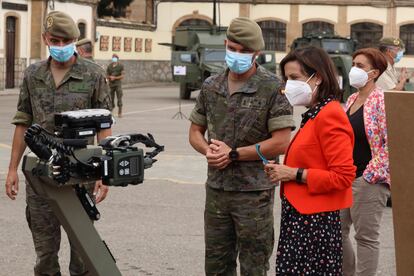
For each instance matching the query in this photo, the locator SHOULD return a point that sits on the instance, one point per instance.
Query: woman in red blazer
(318, 170)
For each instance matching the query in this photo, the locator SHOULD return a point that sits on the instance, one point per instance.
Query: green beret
(83, 42)
(391, 41)
(246, 32)
(60, 24)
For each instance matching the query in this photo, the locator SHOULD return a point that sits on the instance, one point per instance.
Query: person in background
(393, 50)
(240, 108)
(84, 48)
(366, 112)
(115, 73)
(318, 170)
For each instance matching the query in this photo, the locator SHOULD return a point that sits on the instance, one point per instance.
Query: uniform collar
(249, 87)
(75, 71)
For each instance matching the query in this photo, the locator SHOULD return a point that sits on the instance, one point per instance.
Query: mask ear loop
(310, 77)
(316, 85)
(368, 80)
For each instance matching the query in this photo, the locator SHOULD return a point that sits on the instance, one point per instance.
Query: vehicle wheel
(185, 91)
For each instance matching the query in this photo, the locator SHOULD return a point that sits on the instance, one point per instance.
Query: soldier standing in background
(115, 73)
(239, 108)
(393, 49)
(84, 48)
(63, 82)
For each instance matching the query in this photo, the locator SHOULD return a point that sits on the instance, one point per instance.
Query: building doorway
(10, 50)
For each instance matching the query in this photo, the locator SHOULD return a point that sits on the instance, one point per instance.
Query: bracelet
(299, 175)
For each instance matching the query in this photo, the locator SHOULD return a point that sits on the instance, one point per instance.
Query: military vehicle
(340, 50)
(198, 52)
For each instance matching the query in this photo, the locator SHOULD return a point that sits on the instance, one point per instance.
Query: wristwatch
(299, 175)
(234, 155)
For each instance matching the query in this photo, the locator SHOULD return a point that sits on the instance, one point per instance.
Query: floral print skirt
(309, 244)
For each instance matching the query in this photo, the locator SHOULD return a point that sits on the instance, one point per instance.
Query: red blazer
(324, 146)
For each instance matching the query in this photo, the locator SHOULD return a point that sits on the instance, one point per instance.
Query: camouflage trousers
(238, 224)
(45, 228)
(117, 89)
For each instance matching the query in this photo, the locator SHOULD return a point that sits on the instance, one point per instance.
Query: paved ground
(155, 228)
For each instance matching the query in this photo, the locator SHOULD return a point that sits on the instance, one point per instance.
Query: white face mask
(358, 77)
(299, 92)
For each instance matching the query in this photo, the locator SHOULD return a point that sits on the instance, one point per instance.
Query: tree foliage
(115, 8)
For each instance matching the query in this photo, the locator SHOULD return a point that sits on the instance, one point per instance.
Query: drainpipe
(155, 13)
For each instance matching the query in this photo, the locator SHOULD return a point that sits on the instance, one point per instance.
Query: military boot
(120, 112)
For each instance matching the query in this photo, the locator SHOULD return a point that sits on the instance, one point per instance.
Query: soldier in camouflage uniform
(61, 83)
(239, 108)
(115, 73)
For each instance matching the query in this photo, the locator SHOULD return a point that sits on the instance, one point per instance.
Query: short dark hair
(376, 59)
(314, 60)
(115, 55)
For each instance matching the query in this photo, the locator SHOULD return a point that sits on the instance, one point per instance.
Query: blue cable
(265, 161)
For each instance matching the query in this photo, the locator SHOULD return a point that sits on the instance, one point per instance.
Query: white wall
(22, 34)
(270, 11)
(360, 13)
(169, 12)
(405, 15)
(309, 12)
(158, 52)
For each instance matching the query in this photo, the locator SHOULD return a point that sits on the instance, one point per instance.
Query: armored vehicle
(340, 50)
(198, 52)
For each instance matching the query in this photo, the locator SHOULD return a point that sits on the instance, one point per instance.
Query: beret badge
(49, 22)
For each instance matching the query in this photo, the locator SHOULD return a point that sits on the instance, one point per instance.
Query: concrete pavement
(155, 228)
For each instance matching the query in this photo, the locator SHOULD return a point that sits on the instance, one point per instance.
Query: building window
(366, 34)
(195, 22)
(317, 27)
(407, 35)
(274, 34)
(82, 30)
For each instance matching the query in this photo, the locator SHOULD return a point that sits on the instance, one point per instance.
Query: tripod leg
(71, 214)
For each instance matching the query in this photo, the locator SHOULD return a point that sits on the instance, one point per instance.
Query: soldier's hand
(403, 74)
(12, 184)
(100, 191)
(217, 160)
(219, 146)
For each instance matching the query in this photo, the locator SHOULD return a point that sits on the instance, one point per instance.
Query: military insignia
(79, 87)
(256, 103)
(396, 42)
(49, 22)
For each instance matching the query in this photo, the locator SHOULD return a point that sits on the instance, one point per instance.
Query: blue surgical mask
(114, 59)
(239, 63)
(62, 53)
(399, 56)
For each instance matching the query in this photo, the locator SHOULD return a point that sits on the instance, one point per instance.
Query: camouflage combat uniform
(84, 86)
(238, 216)
(116, 85)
